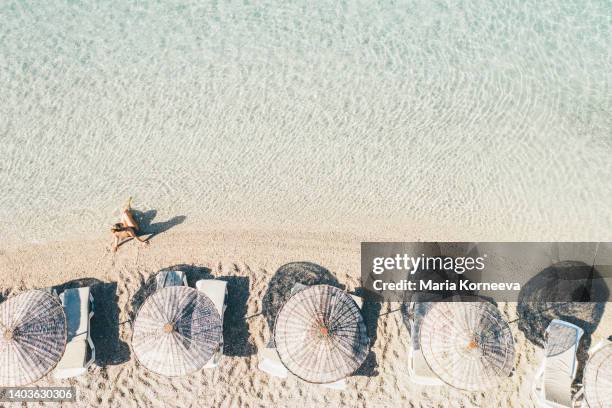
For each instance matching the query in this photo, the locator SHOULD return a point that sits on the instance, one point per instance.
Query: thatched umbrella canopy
(285, 278)
(467, 344)
(176, 332)
(32, 337)
(598, 378)
(320, 335)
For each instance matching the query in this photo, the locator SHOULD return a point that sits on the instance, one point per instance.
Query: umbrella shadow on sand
(147, 287)
(110, 350)
(571, 291)
(279, 288)
(5, 294)
(235, 327)
(150, 228)
(370, 312)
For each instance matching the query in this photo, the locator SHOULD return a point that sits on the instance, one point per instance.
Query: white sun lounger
(216, 290)
(270, 362)
(418, 369)
(80, 352)
(165, 279)
(553, 381)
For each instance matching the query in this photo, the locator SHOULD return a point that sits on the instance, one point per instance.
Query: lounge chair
(80, 352)
(170, 278)
(553, 381)
(418, 369)
(216, 290)
(270, 362)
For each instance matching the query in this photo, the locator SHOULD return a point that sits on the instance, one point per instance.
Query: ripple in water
(489, 119)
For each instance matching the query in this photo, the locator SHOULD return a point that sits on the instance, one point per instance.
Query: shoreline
(367, 231)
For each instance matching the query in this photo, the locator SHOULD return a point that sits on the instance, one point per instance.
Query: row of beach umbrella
(320, 336)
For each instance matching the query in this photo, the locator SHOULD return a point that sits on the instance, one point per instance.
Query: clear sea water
(489, 117)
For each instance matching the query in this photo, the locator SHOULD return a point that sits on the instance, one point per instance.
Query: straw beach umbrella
(467, 344)
(598, 378)
(320, 335)
(176, 332)
(32, 337)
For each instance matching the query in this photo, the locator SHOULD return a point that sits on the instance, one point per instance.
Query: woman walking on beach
(126, 228)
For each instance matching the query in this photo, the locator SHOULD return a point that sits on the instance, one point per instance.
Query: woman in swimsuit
(126, 228)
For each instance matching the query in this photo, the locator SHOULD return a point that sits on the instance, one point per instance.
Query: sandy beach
(247, 260)
(256, 135)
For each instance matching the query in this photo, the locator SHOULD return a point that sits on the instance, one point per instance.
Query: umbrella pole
(8, 335)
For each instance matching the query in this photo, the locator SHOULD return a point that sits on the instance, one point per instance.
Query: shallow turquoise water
(489, 117)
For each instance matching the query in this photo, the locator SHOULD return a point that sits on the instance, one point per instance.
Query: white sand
(251, 259)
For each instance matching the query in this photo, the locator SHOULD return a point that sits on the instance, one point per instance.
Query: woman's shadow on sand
(147, 226)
